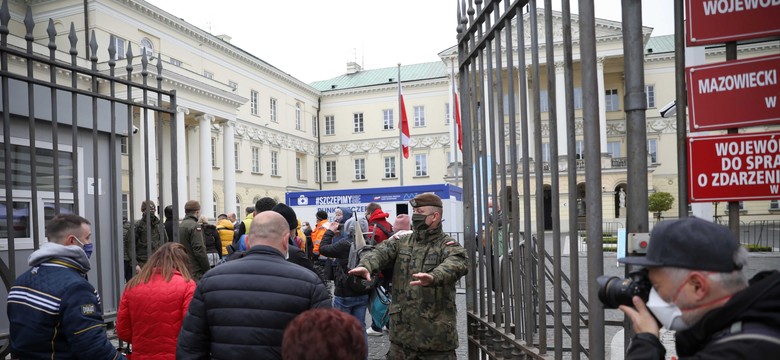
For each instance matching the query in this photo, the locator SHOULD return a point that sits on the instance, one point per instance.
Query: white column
(193, 164)
(142, 149)
(602, 105)
(165, 157)
(206, 173)
(229, 165)
(560, 108)
(181, 156)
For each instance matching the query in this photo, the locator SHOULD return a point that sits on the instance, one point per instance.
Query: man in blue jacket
(54, 312)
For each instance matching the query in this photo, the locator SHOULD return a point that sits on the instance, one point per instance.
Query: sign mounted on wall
(734, 167)
(719, 21)
(734, 94)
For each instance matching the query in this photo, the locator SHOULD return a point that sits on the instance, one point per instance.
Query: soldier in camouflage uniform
(426, 264)
(156, 238)
(191, 236)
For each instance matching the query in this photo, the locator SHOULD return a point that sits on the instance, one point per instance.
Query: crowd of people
(290, 294)
(257, 287)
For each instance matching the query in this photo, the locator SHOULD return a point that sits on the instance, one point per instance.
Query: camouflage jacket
(158, 237)
(191, 236)
(422, 318)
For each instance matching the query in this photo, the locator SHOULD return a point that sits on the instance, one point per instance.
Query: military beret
(426, 200)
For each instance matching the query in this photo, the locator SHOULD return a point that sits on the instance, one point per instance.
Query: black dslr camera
(614, 291)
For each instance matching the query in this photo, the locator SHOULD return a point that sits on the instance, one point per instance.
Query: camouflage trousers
(398, 352)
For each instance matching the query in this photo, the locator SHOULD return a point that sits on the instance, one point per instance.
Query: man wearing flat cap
(699, 291)
(426, 264)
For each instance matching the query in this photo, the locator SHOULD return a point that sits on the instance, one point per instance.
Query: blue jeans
(355, 306)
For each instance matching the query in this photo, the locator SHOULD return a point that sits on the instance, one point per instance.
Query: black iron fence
(66, 120)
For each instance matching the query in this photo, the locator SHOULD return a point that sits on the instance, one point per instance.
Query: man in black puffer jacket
(241, 308)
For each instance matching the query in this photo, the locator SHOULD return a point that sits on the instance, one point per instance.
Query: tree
(659, 202)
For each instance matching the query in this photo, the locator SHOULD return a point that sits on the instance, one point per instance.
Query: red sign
(734, 93)
(734, 167)
(719, 21)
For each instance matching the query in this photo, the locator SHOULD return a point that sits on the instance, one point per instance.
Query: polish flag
(458, 130)
(405, 137)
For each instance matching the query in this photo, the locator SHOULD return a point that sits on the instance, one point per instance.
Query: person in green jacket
(148, 242)
(426, 265)
(191, 236)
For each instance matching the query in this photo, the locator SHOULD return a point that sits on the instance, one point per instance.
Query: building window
(298, 116)
(317, 172)
(125, 206)
(421, 165)
(330, 171)
(238, 205)
(274, 163)
(357, 122)
(314, 125)
(119, 45)
(446, 113)
(147, 47)
(419, 116)
(774, 204)
(544, 104)
(330, 125)
(298, 168)
(175, 62)
(652, 150)
(360, 169)
(213, 152)
(390, 167)
(272, 106)
(613, 148)
(253, 98)
(650, 91)
(387, 119)
(577, 98)
(123, 149)
(579, 149)
(208, 74)
(611, 100)
(214, 212)
(255, 159)
(236, 151)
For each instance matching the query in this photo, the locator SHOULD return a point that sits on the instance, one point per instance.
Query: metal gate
(523, 293)
(66, 123)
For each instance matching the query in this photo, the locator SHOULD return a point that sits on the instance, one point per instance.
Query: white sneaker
(372, 332)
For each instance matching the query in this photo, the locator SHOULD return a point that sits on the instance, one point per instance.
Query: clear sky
(314, 39)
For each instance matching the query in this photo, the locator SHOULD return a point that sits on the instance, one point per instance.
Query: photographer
(699, 290)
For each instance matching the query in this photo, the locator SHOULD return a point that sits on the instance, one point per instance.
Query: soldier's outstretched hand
(423, 279)
(361, 271)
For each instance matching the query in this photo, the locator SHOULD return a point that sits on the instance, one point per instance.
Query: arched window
(147, 48)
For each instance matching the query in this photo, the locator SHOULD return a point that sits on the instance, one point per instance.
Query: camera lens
(614, 291)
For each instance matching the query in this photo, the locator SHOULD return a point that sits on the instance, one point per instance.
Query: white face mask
(668, 314)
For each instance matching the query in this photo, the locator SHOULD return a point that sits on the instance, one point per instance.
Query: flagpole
(400, 131)
(453, 126)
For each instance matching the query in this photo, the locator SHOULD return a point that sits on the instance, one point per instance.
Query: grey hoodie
(72, 254)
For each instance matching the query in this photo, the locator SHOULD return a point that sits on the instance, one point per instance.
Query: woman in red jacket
(154, 304)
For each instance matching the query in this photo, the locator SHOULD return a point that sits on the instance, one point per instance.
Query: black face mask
(418, 222)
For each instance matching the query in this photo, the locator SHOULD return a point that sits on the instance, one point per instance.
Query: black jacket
(340, 252)
(758, 306)
(241, 308)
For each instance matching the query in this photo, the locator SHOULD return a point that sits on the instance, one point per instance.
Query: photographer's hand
(641, 317)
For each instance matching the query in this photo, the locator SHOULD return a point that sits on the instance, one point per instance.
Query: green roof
(363, 78)
(660, 44)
